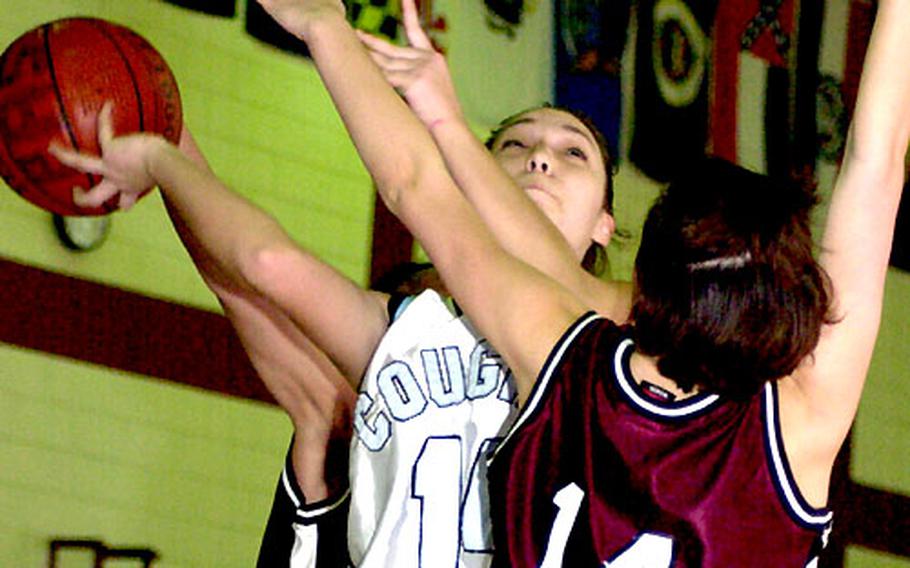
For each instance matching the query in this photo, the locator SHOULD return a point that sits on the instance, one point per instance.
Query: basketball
(54, 80)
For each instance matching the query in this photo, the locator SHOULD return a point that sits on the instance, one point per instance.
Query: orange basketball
(54, 80)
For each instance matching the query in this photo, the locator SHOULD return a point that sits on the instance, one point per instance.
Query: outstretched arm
(317, 398)
(421, 74)
(239, 248)
(503, 296)
(274, 292)
(859, 231)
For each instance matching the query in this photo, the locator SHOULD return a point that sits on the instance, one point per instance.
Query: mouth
(544, 199)
(533, 189)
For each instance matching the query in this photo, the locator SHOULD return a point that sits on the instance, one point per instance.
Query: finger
(105, 124)
(127, 200)
(95, 196)
(400, 80)
(380, 60)
(380, 45)
(73, 159)
(388, 63)
(399, 77)
(415, 34)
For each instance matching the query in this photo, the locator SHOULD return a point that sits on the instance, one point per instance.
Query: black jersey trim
(541, 385)
(397, 304)
(307, 512)
(795, 504)
(666, 410)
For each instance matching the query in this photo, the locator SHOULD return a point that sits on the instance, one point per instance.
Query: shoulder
(609, 298)
(584, 348)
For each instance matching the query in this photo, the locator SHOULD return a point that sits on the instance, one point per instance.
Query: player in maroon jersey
(704, 435)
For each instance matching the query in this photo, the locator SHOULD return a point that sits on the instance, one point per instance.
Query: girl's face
(555, 159)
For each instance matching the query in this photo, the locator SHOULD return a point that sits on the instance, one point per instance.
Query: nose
(539, 161)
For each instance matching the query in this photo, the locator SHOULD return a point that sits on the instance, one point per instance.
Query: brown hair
(728, 294)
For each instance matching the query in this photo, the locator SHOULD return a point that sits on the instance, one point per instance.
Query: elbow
(396, 183)
(266, 267)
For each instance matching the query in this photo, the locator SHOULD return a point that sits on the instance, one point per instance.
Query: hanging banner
(263, 27)
(671, 84)
(590, 38)
(225, 8)
(378, 17)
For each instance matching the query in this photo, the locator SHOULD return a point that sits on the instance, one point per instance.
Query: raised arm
(503, 296)
(421, 74)
(282, 301)
(239, 248)
(859, 231)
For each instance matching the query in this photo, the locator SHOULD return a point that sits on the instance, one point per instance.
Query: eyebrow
(568, 127)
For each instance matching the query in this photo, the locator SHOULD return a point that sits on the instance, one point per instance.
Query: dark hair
(595, 259)
(728, 294)
(409, 278)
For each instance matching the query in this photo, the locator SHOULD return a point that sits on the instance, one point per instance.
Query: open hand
(123, 164)
(417, 71)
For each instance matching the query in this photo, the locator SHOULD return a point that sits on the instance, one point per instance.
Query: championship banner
(846, 30)
(752, 39)
(263, 27)
(671, 84)
(377, 17)
(766, 84)
(225, 8)
(590, 38)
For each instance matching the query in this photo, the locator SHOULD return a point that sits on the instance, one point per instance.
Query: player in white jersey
(548, 152)
(433, 403)
(308, 329)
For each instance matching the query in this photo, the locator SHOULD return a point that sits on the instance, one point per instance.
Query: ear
(603, 229)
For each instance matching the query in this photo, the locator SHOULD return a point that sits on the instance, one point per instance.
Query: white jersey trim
(684, 408)
(780, 469)
(304, 513)
(543, 379)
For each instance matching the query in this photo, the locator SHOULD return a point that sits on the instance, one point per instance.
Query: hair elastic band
(722, 262)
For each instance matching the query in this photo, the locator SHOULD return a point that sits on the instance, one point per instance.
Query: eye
(576, 152)
(511, 142)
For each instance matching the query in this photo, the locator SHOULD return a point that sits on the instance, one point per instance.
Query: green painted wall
(88, 452)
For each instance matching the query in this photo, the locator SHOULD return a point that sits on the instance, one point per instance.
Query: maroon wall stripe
(878, 520)
(392, 243)
(91, 322)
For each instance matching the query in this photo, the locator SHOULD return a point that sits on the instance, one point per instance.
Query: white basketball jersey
(434, 401)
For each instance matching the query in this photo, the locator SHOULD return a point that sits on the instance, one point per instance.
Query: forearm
(518, 224)
(321, 462)
(394, 146)
(503, 296)
(881, 120)
(222, 230)
(868, 189)
(859, 229)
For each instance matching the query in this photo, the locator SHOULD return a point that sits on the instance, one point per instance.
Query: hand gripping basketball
(123, 164)
(54, 80)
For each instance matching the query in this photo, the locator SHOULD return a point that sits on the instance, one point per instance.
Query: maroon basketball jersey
(596, 472)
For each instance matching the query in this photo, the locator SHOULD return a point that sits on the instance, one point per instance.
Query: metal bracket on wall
(101, 551)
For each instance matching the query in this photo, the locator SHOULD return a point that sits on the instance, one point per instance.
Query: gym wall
(92, 450)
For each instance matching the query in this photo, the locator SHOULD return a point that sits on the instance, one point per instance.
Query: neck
(644, 368)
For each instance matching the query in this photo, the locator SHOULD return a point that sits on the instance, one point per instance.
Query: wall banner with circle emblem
(671, 84)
